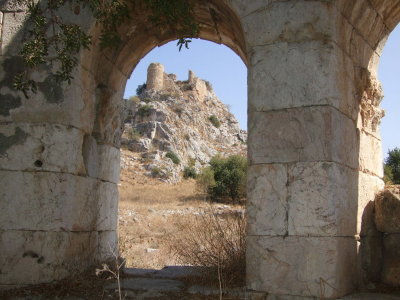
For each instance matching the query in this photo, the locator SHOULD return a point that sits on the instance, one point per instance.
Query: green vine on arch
(53, 41)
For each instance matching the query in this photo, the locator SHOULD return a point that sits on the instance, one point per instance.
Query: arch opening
(105, 81)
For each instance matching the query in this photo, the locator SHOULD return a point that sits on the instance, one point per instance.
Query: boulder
(387, 212)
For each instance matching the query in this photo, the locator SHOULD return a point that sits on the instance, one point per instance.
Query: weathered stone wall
(58, 195)
(313, 142)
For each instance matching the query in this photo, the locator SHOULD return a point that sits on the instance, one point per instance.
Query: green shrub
(205, 181)
(133, 134)
(144, 110)
(189, 172)
(392, 166)
(175, 159)
(388, 174)
(141, 88)
(135, 99)
(229, 176)
(155, 172)
(214, 120)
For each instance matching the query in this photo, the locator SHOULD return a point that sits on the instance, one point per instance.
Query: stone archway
(62, 198)
(312, 101)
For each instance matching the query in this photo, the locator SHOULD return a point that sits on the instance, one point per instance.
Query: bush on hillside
(144, 111)
(225, 178)
(141, 88)
(134, 99)
(189, 172)
(175, 159)
(133, 134)
(214, 120)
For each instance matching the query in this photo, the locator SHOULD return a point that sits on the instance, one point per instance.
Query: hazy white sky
(228, 75)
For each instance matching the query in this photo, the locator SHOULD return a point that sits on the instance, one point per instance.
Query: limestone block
(13, 32)
(1, 26)
(31, 257)
(267, 194)
(108, 246)
(11, 6)
(371, 158)
(56, 201)
(101, 161)
(287, 75)
(107, 126)
(304, 134)
(322, 199)
(90, 156)
(388, 10)
(244, 8)
(387, 212)
(365, 19)
(368, 187)
(109, 167)
(42, 147)
(302, 266)
(285, 21)
(360, 51)
(70, 105)
(391, 261)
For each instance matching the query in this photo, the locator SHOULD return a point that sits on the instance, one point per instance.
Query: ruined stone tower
(155, 77)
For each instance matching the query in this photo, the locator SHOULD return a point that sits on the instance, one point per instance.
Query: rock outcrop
(174, 124)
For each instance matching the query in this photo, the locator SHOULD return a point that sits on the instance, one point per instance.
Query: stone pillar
(303, 152)
(155, 77)
(58, 177)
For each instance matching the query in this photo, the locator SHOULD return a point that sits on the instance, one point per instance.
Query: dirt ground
(152, 212)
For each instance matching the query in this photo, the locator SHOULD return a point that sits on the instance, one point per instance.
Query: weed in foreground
(215, 242)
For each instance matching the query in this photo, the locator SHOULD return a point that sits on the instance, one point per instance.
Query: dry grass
(214, 241)
(153, 214)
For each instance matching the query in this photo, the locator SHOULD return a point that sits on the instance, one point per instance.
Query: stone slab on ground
(138, 272)
(358, 296)
(150, 284)
(370, 296)
(45, 298)
(174, 272)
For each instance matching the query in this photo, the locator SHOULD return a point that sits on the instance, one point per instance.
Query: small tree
(392, 165)
(228, 178)
(387, 174)
(141, 88)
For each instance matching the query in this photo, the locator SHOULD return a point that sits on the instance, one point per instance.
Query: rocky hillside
(174, 124)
